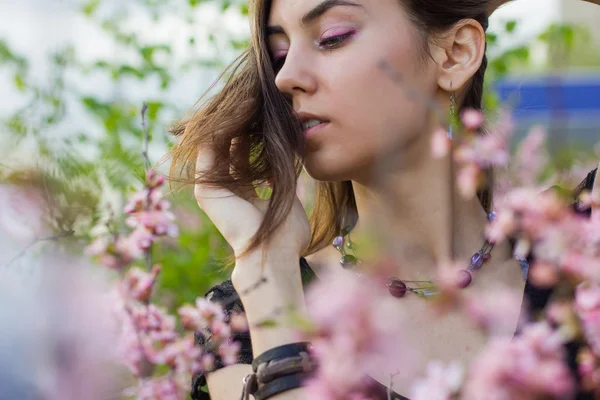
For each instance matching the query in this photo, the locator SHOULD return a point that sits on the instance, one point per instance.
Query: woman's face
(327, 57)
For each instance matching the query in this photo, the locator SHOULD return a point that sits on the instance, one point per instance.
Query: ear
(459, 54)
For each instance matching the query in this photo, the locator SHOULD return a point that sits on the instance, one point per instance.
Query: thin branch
(146, 136)
(389, 389)
(34, 242)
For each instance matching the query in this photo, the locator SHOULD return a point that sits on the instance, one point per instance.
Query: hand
(238, 216)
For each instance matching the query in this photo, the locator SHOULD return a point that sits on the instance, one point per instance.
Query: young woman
(351, 90)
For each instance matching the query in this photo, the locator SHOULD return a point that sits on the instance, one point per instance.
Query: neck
(412, 212)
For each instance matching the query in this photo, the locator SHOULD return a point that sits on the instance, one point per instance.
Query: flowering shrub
(158, 349)
(351, 332)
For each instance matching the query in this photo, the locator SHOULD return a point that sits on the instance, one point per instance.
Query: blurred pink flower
(587, 306)
(153, 179)
(238, 322)
(530, 157)
(201, 316)
(352, 334)
(163, 388)
(207, 362)
(530, 365)
(440, 383)
(503, 226)
(182, 355)
(138, 283)
(440, 143)
(23, 212)
(468, 180)
(472, 119)
(486, 150)
(158, 223)
(229, 350)
(496, 311)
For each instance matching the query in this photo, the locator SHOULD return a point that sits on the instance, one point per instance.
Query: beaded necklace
(398, 288)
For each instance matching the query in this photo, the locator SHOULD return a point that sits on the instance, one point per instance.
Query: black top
(225, 293)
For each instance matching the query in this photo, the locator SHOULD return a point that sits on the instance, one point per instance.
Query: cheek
(381, 108)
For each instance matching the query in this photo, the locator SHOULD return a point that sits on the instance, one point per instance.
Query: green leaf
(90, 7)
(511, 26)
(19, 82)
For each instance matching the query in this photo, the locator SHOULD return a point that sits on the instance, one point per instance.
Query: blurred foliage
(99, 162)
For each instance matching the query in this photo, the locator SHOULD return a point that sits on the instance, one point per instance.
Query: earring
(452, 107)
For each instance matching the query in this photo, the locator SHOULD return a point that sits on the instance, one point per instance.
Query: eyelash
(330, 43)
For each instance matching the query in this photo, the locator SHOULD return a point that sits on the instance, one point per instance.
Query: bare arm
(282, 289)
(226, 383)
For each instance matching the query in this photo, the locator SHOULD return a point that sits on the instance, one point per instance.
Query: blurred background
(74, 75)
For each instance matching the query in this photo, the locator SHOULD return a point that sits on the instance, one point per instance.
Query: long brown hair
(251, 108)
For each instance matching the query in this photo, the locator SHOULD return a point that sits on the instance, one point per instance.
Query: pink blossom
(220, 330)
(530, 365)
(484, 151)
(202, 315)
(238, 322)
(588, 367)
(153, 321)
(544, 274)
(496, 311)
(134, 246)
(530, 157)
(138, 283)
(587, 306)
(157, 222)
(353, 334)
(157, 389)
(23, 212)
(182, 355)
(503, 226)
(441, 383)
(99, 245)
(207, 362)
(472, 119)
(229, 350)
(468, 180)
(440, 143)
(153, 179)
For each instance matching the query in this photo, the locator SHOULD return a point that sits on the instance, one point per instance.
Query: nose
(297, 75)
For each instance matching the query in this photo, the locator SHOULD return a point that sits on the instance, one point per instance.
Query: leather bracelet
(279, 385)
(285, 366)
(285, 351)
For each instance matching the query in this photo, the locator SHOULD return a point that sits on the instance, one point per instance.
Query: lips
(311, 122)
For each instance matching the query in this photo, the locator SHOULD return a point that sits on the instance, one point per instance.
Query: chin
(324, 172)
(328, 169)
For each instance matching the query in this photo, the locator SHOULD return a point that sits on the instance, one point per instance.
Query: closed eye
(333, 42)
(329, 43)
(277, 63)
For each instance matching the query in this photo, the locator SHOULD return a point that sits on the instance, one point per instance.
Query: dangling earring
(452, 106)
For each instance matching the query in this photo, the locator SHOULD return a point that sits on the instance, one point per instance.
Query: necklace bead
(464, 278)
(397, 288)
(348, 261)
(338, 242)
(477, 260)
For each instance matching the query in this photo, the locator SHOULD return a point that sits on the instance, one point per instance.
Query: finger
(229, 213)
(596, 195)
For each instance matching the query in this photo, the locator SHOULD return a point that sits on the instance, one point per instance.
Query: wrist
(271, 295)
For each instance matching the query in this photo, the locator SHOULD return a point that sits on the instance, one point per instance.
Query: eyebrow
(314, 14)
